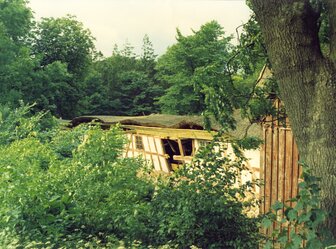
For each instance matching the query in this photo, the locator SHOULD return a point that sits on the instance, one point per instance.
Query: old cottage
(168, 141)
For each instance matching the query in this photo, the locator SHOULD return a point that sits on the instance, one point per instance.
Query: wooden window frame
(139, 145)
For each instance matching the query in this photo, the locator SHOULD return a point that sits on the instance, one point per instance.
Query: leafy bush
(63, 188)
(301, 226)
(72, 186)
(17, 124)
(203, 205)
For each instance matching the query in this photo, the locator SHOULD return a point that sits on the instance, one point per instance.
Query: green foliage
(250, 53)
(180, 67)
(65, 40)
(42, 65)
(148, 55)
(233, 83)
(15, 61)
(123, 84)
(100, 148)
(203, 205)
(259, 102)
(16, 124)
(16, 19)
(54, 64)
(301, 226)
(207, 75)
(65, 51)
(325, 30)
(52, 89)
(62, 188)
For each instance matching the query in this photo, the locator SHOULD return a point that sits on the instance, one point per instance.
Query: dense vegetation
(70, 188)
(63, 188)
(54, 63)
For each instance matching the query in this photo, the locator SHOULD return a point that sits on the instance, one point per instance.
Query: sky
(127, 21)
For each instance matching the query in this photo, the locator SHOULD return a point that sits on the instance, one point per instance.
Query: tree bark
(307, 83)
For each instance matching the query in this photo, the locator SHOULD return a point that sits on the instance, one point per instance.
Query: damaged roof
(154, 120)
(170, 121)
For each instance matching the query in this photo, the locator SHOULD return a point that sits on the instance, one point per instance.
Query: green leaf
(304, 217)
(268, 245)
(315, 243)
(291, 214)
(266, 222)
(302, 185)
(277, 205)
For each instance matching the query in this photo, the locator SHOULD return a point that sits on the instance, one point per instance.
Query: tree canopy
(55, 64)
(180, 65)
(66, 40)
(123, 84)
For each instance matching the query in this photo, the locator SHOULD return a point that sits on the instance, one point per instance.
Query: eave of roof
(180, 126)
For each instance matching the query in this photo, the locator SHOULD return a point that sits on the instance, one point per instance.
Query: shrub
(203, 205)
(72, 189)
(18, 123)
(301, 225)
(68, 186)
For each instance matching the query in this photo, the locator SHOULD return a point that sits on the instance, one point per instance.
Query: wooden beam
(170, 133)
(182, 158)
(180, 147)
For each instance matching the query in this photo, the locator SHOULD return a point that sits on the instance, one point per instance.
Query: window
(188, 148)
(139, 143)
(171, 148)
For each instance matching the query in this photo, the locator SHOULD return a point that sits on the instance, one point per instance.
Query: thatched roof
(154, 120)
(169, 121)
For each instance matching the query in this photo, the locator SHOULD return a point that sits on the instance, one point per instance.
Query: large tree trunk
(307, 82)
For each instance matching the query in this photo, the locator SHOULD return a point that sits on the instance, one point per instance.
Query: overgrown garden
(62, 188)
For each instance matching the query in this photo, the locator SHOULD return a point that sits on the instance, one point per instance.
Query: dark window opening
(187, 145)
(171, 148)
